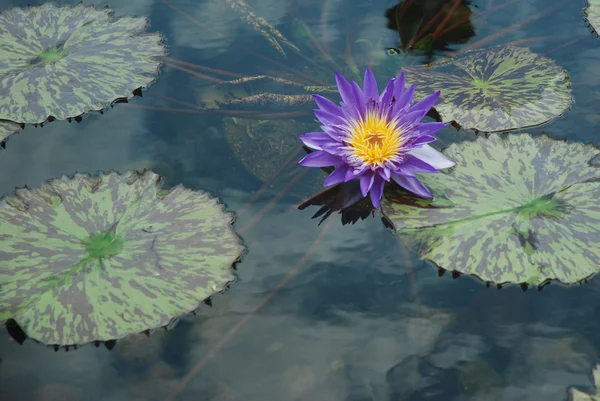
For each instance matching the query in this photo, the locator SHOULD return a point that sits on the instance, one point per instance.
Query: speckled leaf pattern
(578, 395)
(100, 257)
(496, 89)
(63, 61)
(519, 210)
(8, 128)
(592, 14)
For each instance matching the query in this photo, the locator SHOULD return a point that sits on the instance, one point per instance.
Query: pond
(338, 308)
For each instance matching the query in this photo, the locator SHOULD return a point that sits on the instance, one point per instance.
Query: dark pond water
(319, 312)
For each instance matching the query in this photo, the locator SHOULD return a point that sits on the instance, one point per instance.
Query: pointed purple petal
(404, 100)
(377, 191)
(320, 159)
(360, 101)
(338, 176)
(384, 173)
(417, 164)
(421, 140)
(370, 86)
(427, 102)
(345, 90)
(431, 128)
(328, 118)
(315, 140)
(431, 156)
(366, 181)
(327, 105)
(399, 86)
(386, 96)
(412, 184)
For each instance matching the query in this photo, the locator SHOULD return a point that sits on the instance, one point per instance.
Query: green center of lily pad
(543, 207)
(481, 84)
(103, 245)
(50, 56)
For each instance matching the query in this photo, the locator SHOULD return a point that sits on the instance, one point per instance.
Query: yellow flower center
(375, 141)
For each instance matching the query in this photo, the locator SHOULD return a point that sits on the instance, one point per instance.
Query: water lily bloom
(375, 137)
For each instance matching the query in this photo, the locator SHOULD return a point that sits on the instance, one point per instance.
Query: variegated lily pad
(521, 210)
(496, 89)
(100, 257)
(62, 61)
(578, 395)
(592, 14)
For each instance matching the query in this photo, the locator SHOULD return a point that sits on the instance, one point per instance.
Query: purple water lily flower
(375, 138)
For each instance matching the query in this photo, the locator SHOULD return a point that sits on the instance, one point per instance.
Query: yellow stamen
(374, 141)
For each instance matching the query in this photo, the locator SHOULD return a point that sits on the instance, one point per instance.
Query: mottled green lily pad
(496, 89)
(62, 61)
(578, 395)
(520, 210)
(592, 14)
(100, 257)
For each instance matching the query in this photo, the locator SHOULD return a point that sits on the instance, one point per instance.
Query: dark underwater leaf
(496, 89)
(519, 210)
(100, 257)
(63, 61)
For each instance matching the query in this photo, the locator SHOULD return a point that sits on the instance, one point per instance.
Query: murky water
(327, 312)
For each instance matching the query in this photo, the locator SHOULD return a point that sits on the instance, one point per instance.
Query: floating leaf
(578, 395)
(592, 14)
(62, 61)
(520, 210)
(100, 257)
(8, 128)
(496, 89)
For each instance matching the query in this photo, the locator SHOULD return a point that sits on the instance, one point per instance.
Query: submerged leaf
(520, 210)
(592, 14)
(100, 257)
(8, 128)
(62, 61)
(496, 89)
(578, 395)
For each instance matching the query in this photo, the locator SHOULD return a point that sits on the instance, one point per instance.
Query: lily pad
(95, 258)
(592, 14)
(578, 395)
(520, 210)
(58, 61)
(497, 89)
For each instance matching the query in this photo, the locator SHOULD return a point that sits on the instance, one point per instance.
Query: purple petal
(431, 128)
(316, 140)
(421, 140)
(399, 86)
(370, 86)
(327, 105)
(418, 165)
(377, 191)
(426, 103)
(320, 159)
(345, 90)
(338, 176)
(386, 96)
(384, 173)
(366, 181)
(412, 184)
(360, 101)
(328, 118)
(404, 100)
(432, 157)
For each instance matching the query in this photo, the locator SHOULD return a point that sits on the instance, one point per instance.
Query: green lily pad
(496, 89)
(578, 395)
(592, 14)
(8, 128)
(95, 258)
(62, 61)
(520, 210)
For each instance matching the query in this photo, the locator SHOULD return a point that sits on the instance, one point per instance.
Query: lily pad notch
(96, 258)
(77, 58)
(519, 210)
